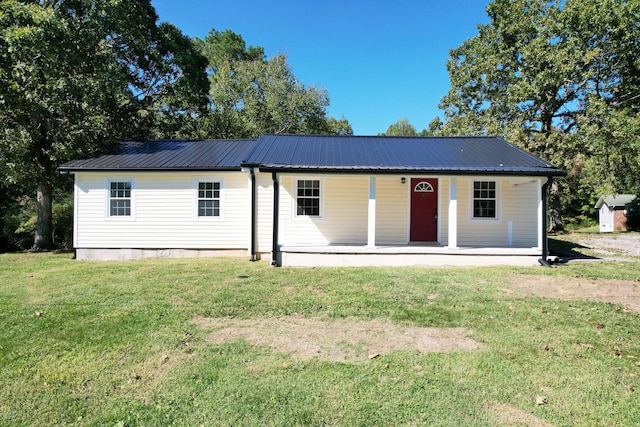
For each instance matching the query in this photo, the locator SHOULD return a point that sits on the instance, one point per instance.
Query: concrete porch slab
(409, 255)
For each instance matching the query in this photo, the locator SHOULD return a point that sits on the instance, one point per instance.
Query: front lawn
(136, 343)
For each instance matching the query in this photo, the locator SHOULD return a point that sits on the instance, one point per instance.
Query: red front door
(424, 210)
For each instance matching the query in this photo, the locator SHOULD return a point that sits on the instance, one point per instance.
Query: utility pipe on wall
(252, 177)
(276, 220)
(545, 240)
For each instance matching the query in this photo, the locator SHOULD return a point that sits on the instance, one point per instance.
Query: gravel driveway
(613, 244)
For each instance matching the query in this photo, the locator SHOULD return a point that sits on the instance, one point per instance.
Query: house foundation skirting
(339, 255)
(124, 254)
(428, 256)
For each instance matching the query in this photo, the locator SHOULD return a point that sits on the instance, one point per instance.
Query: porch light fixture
(403, 180)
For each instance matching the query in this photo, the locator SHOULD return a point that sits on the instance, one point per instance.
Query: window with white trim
(485, 200)
(209, 196)
(120, 198)
(308, 197)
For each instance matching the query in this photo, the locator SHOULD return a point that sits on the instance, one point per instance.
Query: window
(120, 197)
(485, 200)
(308, 198)
(423, 187)
(208, 199)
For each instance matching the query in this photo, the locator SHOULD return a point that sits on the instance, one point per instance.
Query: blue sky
(378, 60)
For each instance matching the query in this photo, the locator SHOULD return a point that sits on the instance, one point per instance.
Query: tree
(76, 75)
(252, 95)
(339, 127)
(404, 128)
(632, 215)
(551, 76)
(401, 128)
(227, 46)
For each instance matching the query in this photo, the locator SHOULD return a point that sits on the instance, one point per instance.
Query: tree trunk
(44, 228)
(555, 217)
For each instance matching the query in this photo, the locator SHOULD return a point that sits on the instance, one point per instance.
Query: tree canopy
(252, 95)
(401, 128)
(562, 80)
(78, 74)
(404, 128)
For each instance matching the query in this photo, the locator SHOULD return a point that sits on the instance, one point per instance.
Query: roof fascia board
(553, 172)
(135, 170)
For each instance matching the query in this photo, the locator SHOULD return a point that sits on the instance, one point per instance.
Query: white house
(303, 200)
(611, 211)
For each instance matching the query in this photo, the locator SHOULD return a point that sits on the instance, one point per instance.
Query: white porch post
(540, 216)
(453, 213)
(371, 232)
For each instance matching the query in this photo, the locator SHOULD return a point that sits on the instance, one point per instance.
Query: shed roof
(615, 201)
(167, 155)
(371, 154)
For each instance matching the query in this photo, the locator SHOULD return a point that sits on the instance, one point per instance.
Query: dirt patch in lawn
(623, 292)
(506, 415)
(342, 340)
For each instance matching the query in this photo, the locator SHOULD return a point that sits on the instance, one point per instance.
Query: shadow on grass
(566, 250)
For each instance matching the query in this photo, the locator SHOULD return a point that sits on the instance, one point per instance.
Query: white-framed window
(120, 198)
(309, 197)
(484, 200)
(208, 198)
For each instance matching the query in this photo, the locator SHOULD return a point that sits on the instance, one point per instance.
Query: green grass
(86, 343)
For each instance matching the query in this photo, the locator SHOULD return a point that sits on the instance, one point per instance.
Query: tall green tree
(401, 128)
(404, 128)
(339, 126)
(76, 75)
(552, 76)
(253, 95)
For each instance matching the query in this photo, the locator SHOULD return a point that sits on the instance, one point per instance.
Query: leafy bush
(632, 212)
(578, 222)
(63, 223)
(18, 224)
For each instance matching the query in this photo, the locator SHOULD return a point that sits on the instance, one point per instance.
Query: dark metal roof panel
(359, 154)
(211, 154)
(395, 154)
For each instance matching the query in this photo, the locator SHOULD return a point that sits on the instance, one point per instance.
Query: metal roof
(615, 201)
(322, 153)
(167, 155)
(370, 154)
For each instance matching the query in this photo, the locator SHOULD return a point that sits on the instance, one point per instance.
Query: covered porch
(514, 236)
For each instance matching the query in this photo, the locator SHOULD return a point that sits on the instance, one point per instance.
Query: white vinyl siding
(264, 212)
(344, 218)
(165, 209)
(164, 213)
(392, 210)
(520, 207)
(606, 219)
(518, 204)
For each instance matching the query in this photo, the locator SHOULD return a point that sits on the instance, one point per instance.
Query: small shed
(611, 210)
